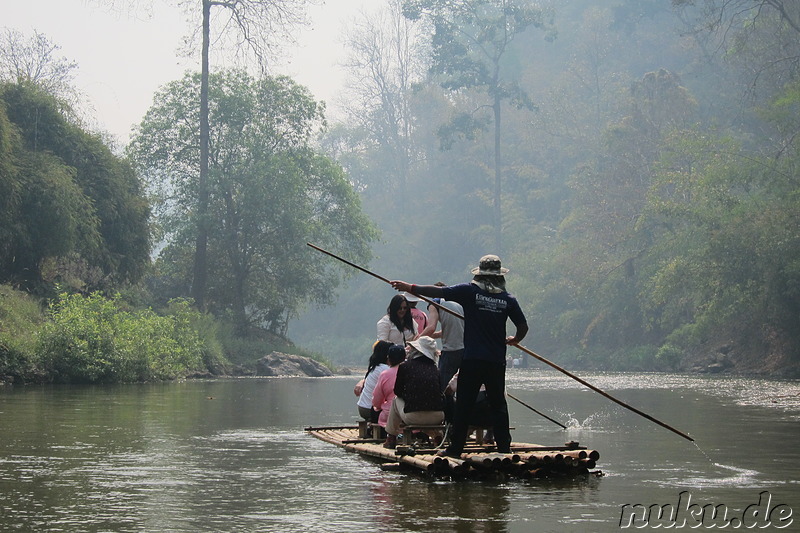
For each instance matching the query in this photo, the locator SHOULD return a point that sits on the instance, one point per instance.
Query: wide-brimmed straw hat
(426, 346)
(489, 265)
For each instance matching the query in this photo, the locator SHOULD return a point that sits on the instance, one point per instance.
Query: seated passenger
(364, 388)
(418, 315)
(383, 395)
(419, 399)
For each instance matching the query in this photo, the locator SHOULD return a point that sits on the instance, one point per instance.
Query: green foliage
(208, 332)
(93, 339)
(473, 53)
(69, 201)
(470, 38)
(20, 317)
(270, 193)
(635, 359)
(10, 185)
(650, 203)
(669, 355)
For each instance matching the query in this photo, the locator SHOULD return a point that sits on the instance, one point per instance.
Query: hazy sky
(124, 58)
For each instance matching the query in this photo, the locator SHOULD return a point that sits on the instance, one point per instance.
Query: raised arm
(431, 291)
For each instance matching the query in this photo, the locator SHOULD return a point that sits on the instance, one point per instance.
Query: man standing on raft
(487, 306)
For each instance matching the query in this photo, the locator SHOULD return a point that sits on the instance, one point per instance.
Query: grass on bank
(94, 339)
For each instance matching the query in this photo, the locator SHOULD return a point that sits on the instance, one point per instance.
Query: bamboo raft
(479, 461)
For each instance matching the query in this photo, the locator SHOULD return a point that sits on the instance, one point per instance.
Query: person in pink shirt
(418, 315)
(383, 393)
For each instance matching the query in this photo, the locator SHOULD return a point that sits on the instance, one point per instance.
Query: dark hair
(394, 306)
(380, 350)
(397, 354)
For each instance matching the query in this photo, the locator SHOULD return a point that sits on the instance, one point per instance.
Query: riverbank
(94, 339)
(773, 356)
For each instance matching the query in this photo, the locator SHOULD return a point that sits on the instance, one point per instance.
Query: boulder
(282, 364)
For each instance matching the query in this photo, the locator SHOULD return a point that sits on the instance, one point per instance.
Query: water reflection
(413, 506)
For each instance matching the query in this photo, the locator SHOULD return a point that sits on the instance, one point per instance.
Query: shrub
(91, 339)
(20, 318)
(76, 344)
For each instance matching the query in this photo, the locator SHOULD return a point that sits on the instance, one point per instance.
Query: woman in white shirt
(397, 326)
(365, 387)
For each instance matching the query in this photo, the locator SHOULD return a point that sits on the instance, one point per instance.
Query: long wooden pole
(529, 352)
(603, 393)
(385, 280)
(535, 411)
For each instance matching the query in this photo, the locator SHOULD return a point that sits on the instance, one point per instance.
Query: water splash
(594, 422)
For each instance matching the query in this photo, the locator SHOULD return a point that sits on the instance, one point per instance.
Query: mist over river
(232, 455)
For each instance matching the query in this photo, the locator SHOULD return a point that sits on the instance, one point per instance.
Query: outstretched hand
(401, 286)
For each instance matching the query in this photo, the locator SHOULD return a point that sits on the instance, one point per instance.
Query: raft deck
(479, 461)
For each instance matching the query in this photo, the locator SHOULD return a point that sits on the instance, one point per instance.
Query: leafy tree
(251, 28)
(245, 24)
(725, 15)
(269, 194)
(385, 62)
(730, 246)
(10, 185)
(472, 50)
(758, 40)
(605, 238)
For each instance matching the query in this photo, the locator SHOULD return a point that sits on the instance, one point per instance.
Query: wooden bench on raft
(370, 430)
(442, 429)
(407, 436)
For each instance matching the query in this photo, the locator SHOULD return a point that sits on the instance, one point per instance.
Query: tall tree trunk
(498, 175)
(201, 246)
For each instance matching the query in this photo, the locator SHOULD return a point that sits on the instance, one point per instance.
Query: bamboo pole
(603, 393)
(416, 462)
(479, 459)
(535, 411)
(527, 351)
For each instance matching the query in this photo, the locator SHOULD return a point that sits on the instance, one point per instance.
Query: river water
(232, 455)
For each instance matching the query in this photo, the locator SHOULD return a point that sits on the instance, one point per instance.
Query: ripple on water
(728, 476)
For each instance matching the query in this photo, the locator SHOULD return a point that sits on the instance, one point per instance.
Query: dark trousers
(471, 376)
(449, 362)
(370, 415)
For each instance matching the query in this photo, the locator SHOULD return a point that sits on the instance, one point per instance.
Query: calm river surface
(232, 455)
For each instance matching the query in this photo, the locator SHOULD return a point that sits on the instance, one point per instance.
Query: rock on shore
(282, 364)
